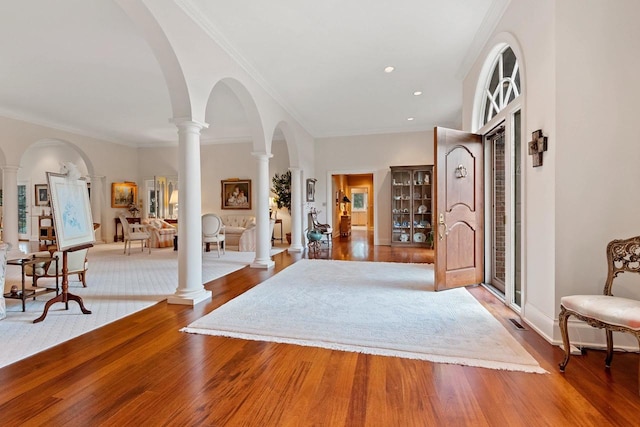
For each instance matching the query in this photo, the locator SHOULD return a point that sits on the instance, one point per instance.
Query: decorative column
(263, 239)
(190, 289)
(97, 200)
(296, 210)
(10, 210)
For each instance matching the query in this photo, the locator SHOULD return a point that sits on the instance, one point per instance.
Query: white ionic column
(296, 210)
(97, 200)
(263, 239)
(10, 210)
(190, 289)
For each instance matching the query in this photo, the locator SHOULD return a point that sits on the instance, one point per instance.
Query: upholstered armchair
(235, 226)
(247, 241)
(161, 232)
(76, 264)
(606, 311)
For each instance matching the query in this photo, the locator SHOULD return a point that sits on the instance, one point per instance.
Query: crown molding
(486, 29)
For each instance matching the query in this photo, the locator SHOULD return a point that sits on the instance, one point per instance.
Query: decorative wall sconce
(537, 146)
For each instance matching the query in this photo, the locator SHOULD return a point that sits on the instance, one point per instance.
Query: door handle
(441, 226)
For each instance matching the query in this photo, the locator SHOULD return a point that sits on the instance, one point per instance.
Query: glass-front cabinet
(411, 213)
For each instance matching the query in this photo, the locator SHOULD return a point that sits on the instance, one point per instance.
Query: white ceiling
(82, 66)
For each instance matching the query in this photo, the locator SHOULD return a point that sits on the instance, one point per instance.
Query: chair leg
(607, 361)
(218, 246)
(207, 247)
(82, 278)
(125, 247)
(562, 321)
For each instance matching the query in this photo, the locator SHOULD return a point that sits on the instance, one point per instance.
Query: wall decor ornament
(123, 194)
(537, 146)
(42, 195)
(311, 190)
(236, 193)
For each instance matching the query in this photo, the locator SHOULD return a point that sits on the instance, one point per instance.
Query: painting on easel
(71, 211)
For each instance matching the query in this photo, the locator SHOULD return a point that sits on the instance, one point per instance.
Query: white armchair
(76, 264)
(133, 232)
(248, 238)
(213, 232)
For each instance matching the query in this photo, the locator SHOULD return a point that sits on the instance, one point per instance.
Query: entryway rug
(117, 286)
(378, 308)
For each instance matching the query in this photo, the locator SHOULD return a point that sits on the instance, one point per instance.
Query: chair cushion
(139, 235)
(608, 309)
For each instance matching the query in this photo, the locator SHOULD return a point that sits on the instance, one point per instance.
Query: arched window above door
(502, 86)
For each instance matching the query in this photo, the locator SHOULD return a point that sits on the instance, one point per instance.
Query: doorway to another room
(353, 209)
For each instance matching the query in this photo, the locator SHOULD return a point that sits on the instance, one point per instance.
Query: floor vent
(517, 325)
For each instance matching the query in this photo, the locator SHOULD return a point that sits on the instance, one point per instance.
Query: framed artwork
(311, 190)
(236, 194)
(42, 195)
(71, 211)
(123, 194)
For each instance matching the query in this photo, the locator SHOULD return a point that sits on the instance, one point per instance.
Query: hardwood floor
(142, 371)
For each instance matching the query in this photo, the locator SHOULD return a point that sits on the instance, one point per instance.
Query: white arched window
(502, 86)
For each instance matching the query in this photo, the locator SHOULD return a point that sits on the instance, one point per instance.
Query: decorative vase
(314, 235)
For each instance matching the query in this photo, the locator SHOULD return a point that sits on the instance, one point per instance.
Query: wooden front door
(459, 216)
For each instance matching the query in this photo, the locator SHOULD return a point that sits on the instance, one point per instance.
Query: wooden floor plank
(141, 370)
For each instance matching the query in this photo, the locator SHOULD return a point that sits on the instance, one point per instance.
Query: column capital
(187, 122)
(10, 168)
(261, 155)
(295, 169)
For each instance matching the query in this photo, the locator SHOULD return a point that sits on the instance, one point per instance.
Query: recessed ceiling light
(389, 69)
(417, 93)
(410, 118)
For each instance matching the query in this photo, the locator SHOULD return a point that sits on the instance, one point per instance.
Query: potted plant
(282, 190)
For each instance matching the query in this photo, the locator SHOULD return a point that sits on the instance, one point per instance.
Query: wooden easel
(65, 296)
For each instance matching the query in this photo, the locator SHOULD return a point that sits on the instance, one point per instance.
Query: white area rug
(117, 286)
(376, 308)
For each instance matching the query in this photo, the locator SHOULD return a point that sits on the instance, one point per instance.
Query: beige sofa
(234, 227)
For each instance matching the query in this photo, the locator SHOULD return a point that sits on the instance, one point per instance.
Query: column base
(296, 248)
(191, 299)
(263, 263)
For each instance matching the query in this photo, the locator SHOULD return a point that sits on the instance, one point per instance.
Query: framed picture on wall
(311, 190)
(123, 194)
(42, 194)
(71, 211)
(236, 194)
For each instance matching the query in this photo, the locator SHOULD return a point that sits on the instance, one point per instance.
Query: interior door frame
(505, 116)
(330, 198)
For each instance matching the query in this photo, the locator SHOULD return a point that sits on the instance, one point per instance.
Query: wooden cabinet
(46, 232)
(345, 226)
(411, 208)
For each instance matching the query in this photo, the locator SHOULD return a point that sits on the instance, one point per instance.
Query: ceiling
(82, 66)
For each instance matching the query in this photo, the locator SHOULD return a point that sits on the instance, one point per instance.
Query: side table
(26, 293)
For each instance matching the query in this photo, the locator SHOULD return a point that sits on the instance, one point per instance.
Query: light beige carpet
(385, 309)
(118, 285)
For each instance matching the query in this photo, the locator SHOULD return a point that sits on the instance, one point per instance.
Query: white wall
(369, 153)
(37, 160)
(579, 59)
(598, 154)
(115, 162)
(218, 162)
